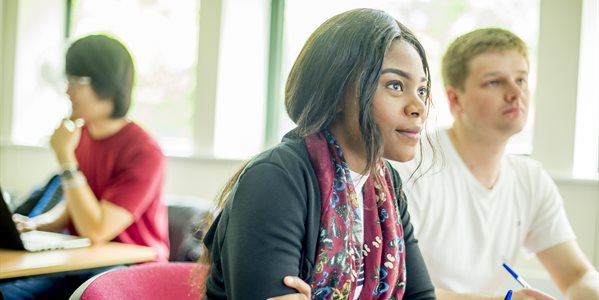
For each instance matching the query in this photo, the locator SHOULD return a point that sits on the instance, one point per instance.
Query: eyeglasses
(77, 81)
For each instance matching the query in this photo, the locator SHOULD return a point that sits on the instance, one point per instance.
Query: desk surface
(15, 263)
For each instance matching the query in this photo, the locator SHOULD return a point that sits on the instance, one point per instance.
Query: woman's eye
(396, 86)
(422, 92)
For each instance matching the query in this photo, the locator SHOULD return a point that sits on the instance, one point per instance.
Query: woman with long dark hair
(324, 205)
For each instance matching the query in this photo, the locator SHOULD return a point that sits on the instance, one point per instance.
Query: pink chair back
(173, 280)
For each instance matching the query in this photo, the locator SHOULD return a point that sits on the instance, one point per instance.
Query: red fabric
(127, 169)
(149, 281)
(339, 252)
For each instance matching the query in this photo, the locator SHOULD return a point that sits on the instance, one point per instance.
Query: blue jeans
(49, 286)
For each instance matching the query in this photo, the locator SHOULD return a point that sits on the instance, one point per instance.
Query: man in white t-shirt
(481, 206)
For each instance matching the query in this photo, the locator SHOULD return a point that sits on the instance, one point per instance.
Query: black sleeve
(265, 226)
(419, 284)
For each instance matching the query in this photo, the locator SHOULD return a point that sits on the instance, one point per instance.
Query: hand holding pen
(528, 292)
(518, 278)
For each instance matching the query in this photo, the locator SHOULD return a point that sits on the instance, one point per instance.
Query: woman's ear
(350, 98)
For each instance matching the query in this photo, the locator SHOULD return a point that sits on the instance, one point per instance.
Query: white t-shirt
(465, 230)
(359, 181)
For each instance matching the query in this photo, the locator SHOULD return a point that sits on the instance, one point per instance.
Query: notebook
(33, 240)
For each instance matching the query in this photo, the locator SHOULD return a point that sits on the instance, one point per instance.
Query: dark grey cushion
(184, 218)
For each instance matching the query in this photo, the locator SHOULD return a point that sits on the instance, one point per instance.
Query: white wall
(24, 167)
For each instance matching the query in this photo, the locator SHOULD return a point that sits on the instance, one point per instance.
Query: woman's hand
(294, 282)
(24, 223)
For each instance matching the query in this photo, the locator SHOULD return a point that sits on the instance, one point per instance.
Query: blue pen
(508, 296)
(518, 278)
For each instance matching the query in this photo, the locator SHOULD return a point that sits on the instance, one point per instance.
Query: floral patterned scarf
(340, 253)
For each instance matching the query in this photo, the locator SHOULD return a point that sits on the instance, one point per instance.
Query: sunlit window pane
(241, 86)
(163, 38)
(586, 154)
(40, 100)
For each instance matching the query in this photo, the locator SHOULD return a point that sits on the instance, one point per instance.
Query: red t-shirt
(128, 169)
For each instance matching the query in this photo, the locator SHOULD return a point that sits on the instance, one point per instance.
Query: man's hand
(523, 294)
(65, 139)
(586, 287)
(56, 219)
(530, 294)
(24, 223)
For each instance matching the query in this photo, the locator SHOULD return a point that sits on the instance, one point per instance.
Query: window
(586, 150)
(162, 37)
(39, 90)
(241, 86)
(436, 23)
(167, 98)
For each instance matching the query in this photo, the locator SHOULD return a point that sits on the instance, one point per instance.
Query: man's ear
(453, 98)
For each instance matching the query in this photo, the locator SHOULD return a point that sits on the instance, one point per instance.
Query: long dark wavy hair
(346, 52)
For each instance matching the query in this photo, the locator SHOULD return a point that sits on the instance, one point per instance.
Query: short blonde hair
(455, 66)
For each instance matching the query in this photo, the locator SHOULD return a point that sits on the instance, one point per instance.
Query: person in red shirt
(112, 170)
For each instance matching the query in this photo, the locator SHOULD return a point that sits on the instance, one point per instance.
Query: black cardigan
(269, 229)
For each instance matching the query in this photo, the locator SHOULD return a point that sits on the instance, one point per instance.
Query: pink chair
(173, 280)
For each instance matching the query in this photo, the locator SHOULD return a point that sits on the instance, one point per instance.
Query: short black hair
(109, 64)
